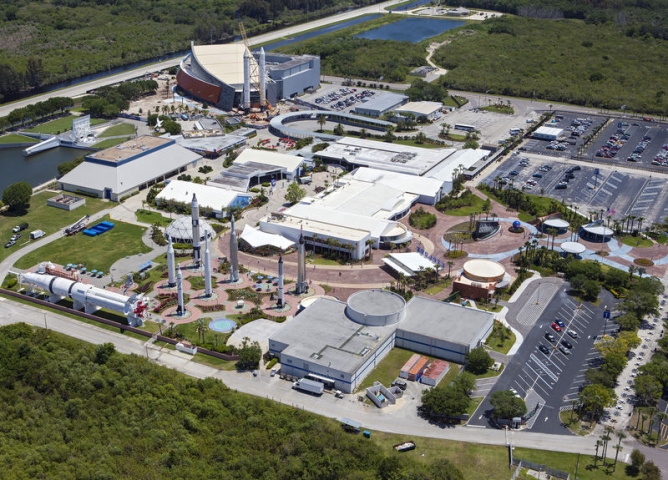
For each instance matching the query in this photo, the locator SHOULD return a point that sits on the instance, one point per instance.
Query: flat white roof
(466, 158)
(556, 223)
(573, 247)
(225, 62)
(124, 177)
(549, 131)
(281, 160)
(214, 198)
(425, 108)
(408, 263)
(387, 156)
(400, 181)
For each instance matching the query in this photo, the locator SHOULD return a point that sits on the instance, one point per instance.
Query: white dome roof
(181, 230)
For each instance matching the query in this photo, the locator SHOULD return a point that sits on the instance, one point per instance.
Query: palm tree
(599, 443)
(606, 438)
(450, 265)
(640, 220)
(315, 239)
(369, 244)
(633, 219)
(201, 326)
(322, 120)
(621, 436)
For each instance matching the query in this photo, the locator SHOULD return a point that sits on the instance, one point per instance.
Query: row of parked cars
(639, 149)
(345, 97)
(569, 175)
(16, 234)
(564, 345)
(610, 148)
(661, 157)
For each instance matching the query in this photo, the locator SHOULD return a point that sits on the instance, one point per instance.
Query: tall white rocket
(234, 254)
(280, 282)
(197, 254)
(170, 264)
(301, 266)
(207, 269)
(263, 77)
(247, 74)
(180, 309)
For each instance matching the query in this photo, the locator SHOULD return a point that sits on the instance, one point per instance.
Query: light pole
(45, 325)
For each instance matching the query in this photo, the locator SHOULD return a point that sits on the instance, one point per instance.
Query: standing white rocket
(197, 255)
(247, 74)
(234, 254)
(180, 309)
(170, 264)
(301, 266)
(280, 282)
(207, 269)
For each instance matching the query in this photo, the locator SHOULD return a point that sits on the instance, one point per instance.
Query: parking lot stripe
(549, 373)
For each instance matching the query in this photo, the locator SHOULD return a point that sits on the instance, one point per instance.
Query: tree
(17, 196)
(595, 398)
(648, 389)
(637, 460)
(478, 361)
(651, 471)
(249, 355)
(322, 120)
(103, 353)
(294, 193)
(618, 448)
(338, 130)
(507, 405)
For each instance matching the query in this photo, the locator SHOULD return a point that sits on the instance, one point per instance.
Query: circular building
(596, 232)
(561, 226)
(376, 308)
(181, 230)
(573, 248)
(480, 278)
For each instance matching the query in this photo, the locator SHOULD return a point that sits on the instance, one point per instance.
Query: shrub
(272, 362)
(421, 219)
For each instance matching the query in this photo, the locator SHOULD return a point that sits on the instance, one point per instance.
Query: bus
(463, 126)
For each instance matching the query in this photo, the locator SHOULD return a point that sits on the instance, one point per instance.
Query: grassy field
(120, 129)
(475, 402)
(635, 242)
(438, 287)
(490, 462)
(388, 369)
(15, 138)
(147, 216)
(466, 211)
(60, 125)
(110, 142)
(42, 217)
(98, 252)
(504, 346)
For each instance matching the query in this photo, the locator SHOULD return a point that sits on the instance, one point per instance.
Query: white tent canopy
(256, 238)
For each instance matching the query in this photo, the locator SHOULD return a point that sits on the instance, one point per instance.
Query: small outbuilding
(560, 225)
(384, 103)
(428, 110)
(548, 133)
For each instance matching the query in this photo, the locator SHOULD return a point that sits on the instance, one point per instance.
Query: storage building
(377, 107)
(403, 373)
(429, 110)
(435, 373)
(548, 133)
(416, 370)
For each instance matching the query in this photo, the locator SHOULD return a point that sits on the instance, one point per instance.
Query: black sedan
(544, 349)
(567, 344)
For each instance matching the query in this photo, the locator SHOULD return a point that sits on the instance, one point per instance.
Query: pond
(412, 30)
(322, 31)
(412, 5)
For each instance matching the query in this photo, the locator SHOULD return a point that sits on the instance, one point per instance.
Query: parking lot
(592, 188)
(550, 382)
(340, 99)
(576, 127)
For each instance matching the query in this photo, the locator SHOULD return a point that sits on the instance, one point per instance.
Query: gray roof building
(378, 106)
(343, 342)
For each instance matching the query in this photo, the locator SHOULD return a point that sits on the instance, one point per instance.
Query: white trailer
(309, 386)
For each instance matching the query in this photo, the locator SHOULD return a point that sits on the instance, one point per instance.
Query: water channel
(413, 29)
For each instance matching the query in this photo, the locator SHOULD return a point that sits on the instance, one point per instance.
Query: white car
(572, 333)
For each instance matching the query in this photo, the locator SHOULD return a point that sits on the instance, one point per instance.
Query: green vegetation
(120, 129)
(587, 64)
(152, 218)
(16, 138)
(422, 220)
(437, 287)
(500, 108)
(478, 361)
(17, 196)
(635, 241)
(501, 339)
(98, 252)
(507, 405)
(448, 400)
(40, 216)
(466, 204)
(388, 369)
(59, 125)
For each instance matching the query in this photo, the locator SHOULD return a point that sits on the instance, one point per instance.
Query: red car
(556, 327)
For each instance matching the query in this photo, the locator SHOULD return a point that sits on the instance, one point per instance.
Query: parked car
(561, 186)
(544, 349)
(556, 327)
(567, 344)
(11, 243)
(514, 173)
(537, 175)
(564, 350)
(572, 333)
(559, 322)
(550, 337)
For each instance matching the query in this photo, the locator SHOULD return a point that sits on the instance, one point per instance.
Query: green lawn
(437, 287)
(489, 461)
(636, 242)
(318, 260)
(120, 129)
(42, 217)
(147, 216)
(502, 347)
(388, 369)
(110, 142)
(466, 211)
(60, 125)
(15, 138)
(98, 252)
(490, 373)
(499, 109)
(475, 402)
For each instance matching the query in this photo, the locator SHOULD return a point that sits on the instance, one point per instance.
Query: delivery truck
(309, 386)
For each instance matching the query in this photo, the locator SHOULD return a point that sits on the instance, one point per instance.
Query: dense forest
(73, 410)
(558, 60)
(45, 42)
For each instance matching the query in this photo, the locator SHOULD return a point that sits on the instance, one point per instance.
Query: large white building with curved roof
(215, 74)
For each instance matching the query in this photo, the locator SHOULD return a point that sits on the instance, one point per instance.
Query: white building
(355, 213)
(253, 167)
(341, 343)
(126, 168)
(218, 200)
(429, 190)
(429, 110)
(548, 133)
(465, 159)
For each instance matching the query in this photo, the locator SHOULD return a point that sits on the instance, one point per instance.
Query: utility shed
(417, 369)
(408, 365)
(435, 373)
(548, 133)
